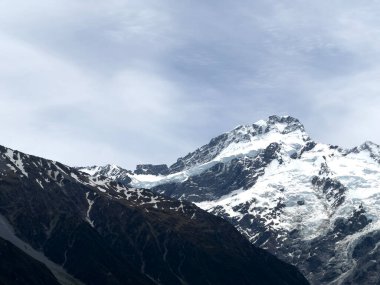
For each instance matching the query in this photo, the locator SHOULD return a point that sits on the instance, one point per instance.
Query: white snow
(40, 183)
(306, 207)
(261, 123)
(73, 175)
(91, 170)
(180, 207)
(110, 170)
(12, 168)
(90, 203)
(292, 142)
(17, 162)
(153, 200)
(59, 168)
(357, 171)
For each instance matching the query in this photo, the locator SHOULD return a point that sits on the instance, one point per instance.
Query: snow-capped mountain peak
(277, 124)
(109, 170)
(282, 124)
(315, 205)
(372, 149)
(250, 139)
(245, 140)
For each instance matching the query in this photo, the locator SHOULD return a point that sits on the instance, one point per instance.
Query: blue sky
(139, 81)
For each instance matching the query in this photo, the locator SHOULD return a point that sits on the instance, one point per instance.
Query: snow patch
(16, 161)
(90, 204)
(40, 183)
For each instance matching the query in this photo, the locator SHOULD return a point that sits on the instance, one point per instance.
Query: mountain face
(61, 226)
(161, 169)
(311, 204)
(27, 271)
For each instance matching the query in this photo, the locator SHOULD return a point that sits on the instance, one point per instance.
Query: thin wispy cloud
(129, 82)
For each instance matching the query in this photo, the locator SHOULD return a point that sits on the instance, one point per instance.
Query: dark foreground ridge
(16, 267)
(62, 226)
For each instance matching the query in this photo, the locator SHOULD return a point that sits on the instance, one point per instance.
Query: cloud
(132, 81)
(79, 118)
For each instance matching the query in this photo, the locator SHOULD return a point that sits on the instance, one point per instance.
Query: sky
(147, 81)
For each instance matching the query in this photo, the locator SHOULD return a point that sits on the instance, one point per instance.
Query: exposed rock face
(221, 178)
(161, 169)
(102, 232)
(311, 204)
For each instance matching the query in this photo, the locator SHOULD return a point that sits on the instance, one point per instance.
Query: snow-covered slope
(312, 204)
(242, 142)
(111, 171)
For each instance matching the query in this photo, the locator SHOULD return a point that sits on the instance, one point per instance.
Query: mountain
(16, 267)
(311, 204)
(61, 226)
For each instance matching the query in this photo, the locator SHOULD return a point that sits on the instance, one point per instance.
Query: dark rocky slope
(18, 268)
(102, 232)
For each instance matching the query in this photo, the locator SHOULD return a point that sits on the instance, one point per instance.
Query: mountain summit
(311, 204)
(239, 140)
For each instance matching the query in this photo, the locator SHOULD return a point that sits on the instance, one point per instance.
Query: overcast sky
(138, 81)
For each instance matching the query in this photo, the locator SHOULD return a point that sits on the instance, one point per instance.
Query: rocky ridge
(74, 228)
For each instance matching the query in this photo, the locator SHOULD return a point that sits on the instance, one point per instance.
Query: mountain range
(59, 225)
(313, 205)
